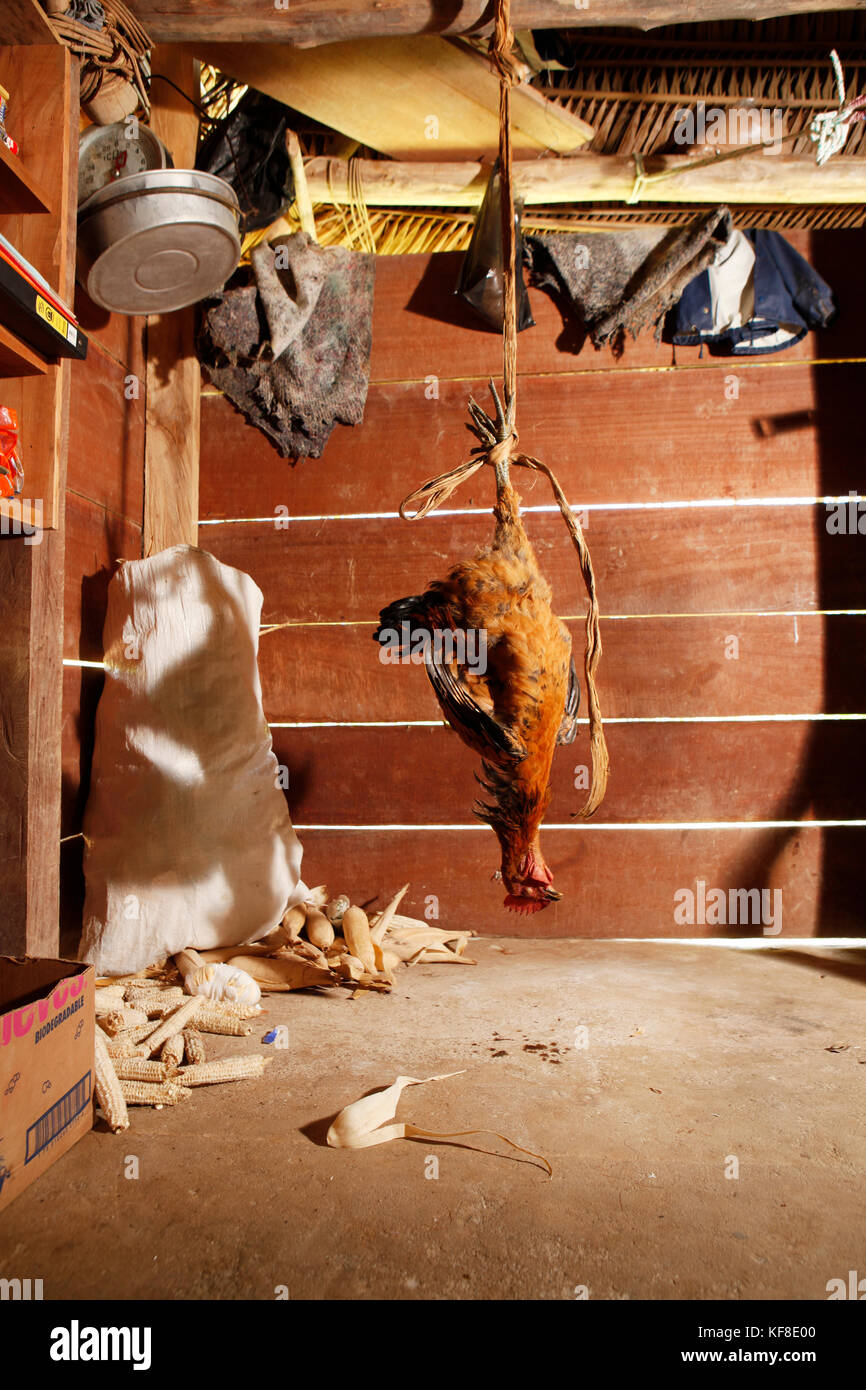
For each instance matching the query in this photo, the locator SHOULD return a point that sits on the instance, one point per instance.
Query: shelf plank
(17, 358)
(20, 190)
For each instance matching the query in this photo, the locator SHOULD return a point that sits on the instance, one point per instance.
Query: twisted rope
(830, 129)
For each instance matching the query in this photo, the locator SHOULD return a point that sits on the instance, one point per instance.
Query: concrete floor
(693, 1054)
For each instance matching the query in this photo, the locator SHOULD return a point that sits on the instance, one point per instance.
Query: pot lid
(194, 182)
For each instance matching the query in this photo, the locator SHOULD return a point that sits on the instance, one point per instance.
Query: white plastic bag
(188, 840)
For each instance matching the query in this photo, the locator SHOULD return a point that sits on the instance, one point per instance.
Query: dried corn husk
(284, 972)
(408, 929)
(305, 950)
(219, 954)
(319, 931)
(350, 968)
(381, 922)
(431, 956)
(363, 1123)
(386, 960)
(356, 934)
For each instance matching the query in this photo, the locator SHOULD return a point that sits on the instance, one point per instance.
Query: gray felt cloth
(291, 347)
(621, 282)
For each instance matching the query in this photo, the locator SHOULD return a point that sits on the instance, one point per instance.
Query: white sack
(188, 840)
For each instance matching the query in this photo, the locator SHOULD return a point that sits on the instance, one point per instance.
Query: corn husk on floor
(364, 1123)
(150, 1027)
(331, 942)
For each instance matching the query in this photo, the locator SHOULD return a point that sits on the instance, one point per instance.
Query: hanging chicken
(526, 701)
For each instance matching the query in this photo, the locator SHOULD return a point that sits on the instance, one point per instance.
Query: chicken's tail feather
(400, 620)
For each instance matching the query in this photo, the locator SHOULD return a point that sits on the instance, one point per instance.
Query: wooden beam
(308, 22)
(172, 421)
(421, 98)
(588, 178)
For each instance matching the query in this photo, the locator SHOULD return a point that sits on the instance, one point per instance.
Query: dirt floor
(694, 1061)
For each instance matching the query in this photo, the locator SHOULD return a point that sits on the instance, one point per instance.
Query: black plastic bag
(248, 149)
(481, 281)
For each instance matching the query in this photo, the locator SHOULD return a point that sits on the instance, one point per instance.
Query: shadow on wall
(827, 788)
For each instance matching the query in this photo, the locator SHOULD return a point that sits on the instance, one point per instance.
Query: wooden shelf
(20, 191)
(17, 358)
(21, 516)
(44, 112)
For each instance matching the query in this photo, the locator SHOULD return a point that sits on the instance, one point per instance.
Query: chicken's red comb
(525, 905)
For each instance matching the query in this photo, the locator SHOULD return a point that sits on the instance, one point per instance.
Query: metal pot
(156, 241)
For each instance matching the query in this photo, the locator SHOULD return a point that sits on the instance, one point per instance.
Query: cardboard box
(46, 1065)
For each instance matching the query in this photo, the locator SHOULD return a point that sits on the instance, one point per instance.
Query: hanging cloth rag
(622, 282)
(758, 296)
(290, 346)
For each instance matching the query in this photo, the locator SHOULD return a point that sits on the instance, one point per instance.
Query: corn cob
(109, 1093)
(172, 1051)
(133, 1035)
(233, 1008)
(156, 1004)
(175, 1023)
(117, 1047)
(194, 1048)
(107, 1001)
(134, 993)
(119, 1020)
(213, 1020)
(156, 1011)
(227, 1069)
(152, 1092)
(140, 1069)
(140, 981)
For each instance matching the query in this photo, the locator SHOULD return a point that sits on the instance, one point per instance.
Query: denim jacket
(789, 299)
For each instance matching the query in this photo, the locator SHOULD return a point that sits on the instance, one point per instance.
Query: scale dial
(110, 152)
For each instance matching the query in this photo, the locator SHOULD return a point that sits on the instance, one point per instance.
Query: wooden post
(31, 566)
(172, 419)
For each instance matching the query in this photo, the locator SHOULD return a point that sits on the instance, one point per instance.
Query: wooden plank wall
(104, 508)
(730, 648)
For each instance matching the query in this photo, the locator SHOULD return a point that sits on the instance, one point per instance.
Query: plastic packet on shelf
(11, 472)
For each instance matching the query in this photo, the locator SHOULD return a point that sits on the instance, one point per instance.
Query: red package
(11, 472)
